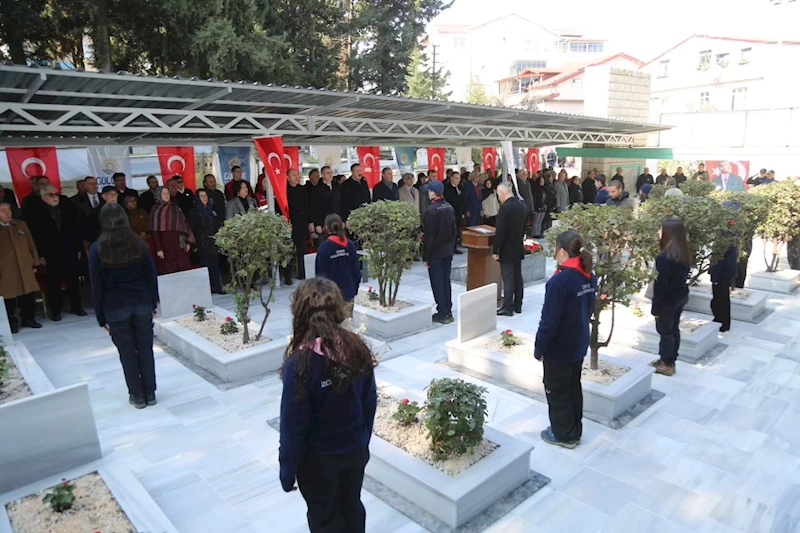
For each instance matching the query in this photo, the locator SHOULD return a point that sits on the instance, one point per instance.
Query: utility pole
(433, 72)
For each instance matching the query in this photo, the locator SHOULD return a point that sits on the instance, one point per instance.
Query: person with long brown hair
(563, 337)
(327, 410)
(172, 236)
(670, 292)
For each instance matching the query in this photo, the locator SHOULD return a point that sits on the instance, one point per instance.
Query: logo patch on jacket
(326, 383)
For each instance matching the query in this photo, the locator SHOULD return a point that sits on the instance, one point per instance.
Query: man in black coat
(387, 188)
(121, 184)
(324, 200)
(89, 205)
(148, 199)
(353, 193)
(33, 202)
(454, 196)
(644, 177)
(216, 196)
(439, 225)
(297, 197)
(588, 188)
(313, 180)
(508, 248)
(55, 226)
(183, 197)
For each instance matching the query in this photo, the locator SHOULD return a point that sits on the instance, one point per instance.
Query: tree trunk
(265, 303)
(594, 359)
(102, 43)
(595, 341)
(394, 294)
(16, 49)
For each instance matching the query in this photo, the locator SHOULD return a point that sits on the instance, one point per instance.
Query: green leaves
(455, 414)
(697, 188)
(781, 222)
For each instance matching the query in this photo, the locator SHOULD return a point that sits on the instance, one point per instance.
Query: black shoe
(505, 312)
(137, 401)
(79, 312)
(518, 309)
(288, 281)
(448, 318)
(548, 437)
(439, 319)
(14, 326)
(56, 317)
(457, 251)
(29, 324)
(151, 398)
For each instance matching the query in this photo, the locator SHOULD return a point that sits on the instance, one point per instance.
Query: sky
(643, 28)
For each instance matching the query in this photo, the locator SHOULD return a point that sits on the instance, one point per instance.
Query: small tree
(697, 188)
(782, 223)
(749, 212)
(622, 245)
(708, 227)
(255, 244)
(390, 233)
(658, 191)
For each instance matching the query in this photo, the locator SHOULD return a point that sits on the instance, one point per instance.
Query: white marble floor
(719, 453)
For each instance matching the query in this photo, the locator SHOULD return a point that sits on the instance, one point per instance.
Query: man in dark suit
(56, 231)
(727, 180)
(216, 196)
(183, 196)
(453, 194)
(89, 210)
(324, 200)
(508, 248)
(386, 189)
(33, 201)
(644, 177)
(147, 199)
(121, 184)
(313, 180)
(297, 197)
(354, 192)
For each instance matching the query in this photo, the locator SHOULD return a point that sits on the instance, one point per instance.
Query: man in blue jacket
(437, 252)
(602, 191)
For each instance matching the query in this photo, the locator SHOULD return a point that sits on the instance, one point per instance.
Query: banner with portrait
(729, 175)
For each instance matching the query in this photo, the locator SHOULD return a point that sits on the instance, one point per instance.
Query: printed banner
(370, 159)
(533, 160)
(436, 161)
(25, 163)
(105, 161)
(728, 175)
(406, 158)
(508, 165)
(271, 151)
(291, 158)
(178, 161)
(330, 155)
(464, 158)
(490, 160)
(234, 156)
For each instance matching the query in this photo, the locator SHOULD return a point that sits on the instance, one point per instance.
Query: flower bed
(783, 281)
(94, 509)
(12, 386)
(388, 323)
(209, 329)
(414, 439)
(746, 305)
(736, 294)
(364, 299)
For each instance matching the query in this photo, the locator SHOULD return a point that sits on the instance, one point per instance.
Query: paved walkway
(719, 453)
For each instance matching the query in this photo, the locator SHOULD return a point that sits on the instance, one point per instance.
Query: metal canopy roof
(66, 107)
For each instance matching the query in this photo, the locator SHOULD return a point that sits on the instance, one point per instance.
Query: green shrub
(658, 191)
(406, 413)
(61, 497)
(782, 222)
(456, 412)
(749, 212)
(697, 188)
(256, 244)
(390, 234)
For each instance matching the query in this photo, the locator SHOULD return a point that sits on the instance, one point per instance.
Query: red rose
(405, 402)
(228, 319)
(604, 296)
(194, 306)
(508, 332)
(370, 289)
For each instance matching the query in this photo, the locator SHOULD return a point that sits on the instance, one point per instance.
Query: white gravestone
(477, 312)
(5, 326)
(310, 262)
(179, 291)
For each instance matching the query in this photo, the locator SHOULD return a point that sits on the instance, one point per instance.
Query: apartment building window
(521, 64)
(738, 98)
(596, 47)
(586, 46)
(459, 42)
(705, 99)
(746, 56)
(722, 59)
(663, 69)
(705, 58)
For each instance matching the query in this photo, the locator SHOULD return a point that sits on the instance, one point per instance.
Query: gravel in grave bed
(736, 294)
(95, 509)
(414, 439)
(363, 300)
(606, 374)
(13, 386)
(209, 330)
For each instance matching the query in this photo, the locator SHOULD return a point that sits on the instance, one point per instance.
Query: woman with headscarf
(205, 223)
(490, 203)
(172, 237)
(241, 203)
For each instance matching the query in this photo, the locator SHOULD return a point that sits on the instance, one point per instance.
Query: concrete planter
(137, 504)
(45, 433)
(228, 367)
(389, 326)
(783, 281)
(602, 403)
(453, 499)
(641, 334)
(750, 309)
(533, 270)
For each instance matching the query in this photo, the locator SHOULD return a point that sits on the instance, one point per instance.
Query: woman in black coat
(205, 223)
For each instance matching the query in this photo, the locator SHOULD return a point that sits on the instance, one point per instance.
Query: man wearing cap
(602, 190)
(439, 226)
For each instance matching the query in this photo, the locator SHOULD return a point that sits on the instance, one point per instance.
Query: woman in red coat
(172, 237)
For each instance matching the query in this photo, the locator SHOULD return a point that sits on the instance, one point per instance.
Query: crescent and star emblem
(179, 159)
(288, 160)
(276, 167)
(32, 161)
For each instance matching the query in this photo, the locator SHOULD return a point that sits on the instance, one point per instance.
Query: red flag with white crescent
(533, 160)
(271, 151)
(178, 161)
(490, 160)
(25, 163)
(291, 158)
(370, 159)
(436, 162)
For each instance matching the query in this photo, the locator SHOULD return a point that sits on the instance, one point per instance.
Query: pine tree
(422, 81)
(476, 92)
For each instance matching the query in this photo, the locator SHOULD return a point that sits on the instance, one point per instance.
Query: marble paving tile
(597, 490)
(624, 466)
(248, 480)
(181, 505)
(745, 514)
(687, 508)
(713, 454)
(558, 513)
(650, 445)
(634, 518)
(695, 476)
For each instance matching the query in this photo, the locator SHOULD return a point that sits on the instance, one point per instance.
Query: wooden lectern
(482, 269)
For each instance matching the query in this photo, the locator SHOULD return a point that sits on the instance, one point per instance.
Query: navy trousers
(132, 333)
(439, 273)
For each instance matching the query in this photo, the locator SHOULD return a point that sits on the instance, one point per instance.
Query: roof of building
(577, 69)
(718, 38)
(42, 106)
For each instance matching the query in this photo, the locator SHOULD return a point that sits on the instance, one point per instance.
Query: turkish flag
(271, 151)
(436, 162)
(370, 159)
(490, 160)
(25, 163)
(178, 161)
(533, 160)
(291, 158)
